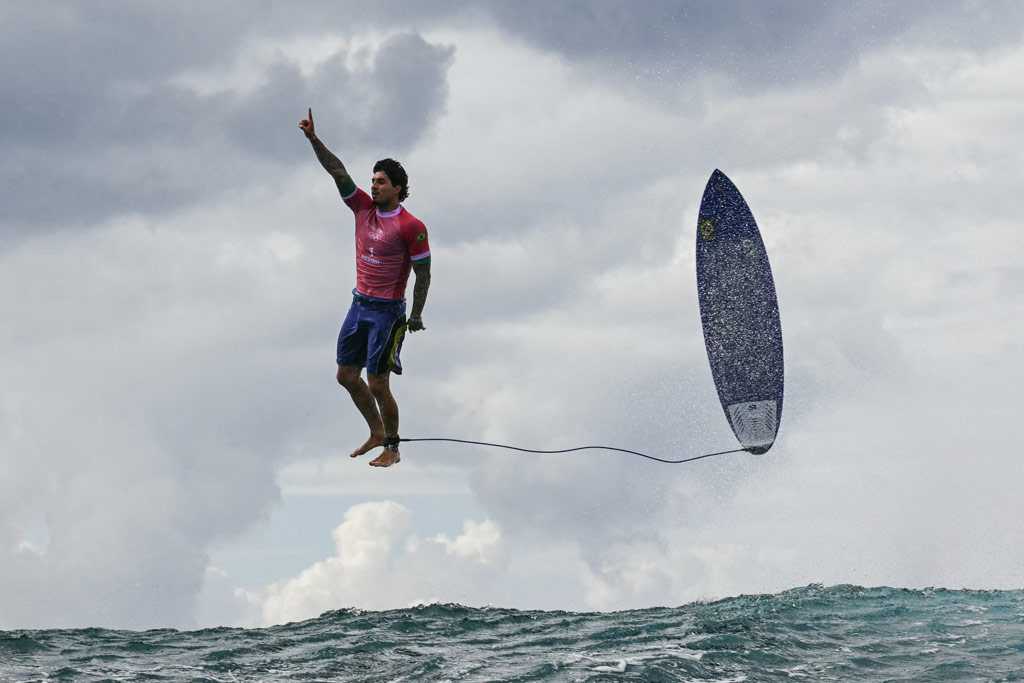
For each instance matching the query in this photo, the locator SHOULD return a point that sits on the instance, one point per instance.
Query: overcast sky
(175, 265)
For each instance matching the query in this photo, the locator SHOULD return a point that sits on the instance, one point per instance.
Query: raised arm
(331, 163)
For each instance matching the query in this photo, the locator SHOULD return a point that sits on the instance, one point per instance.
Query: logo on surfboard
(707, 227)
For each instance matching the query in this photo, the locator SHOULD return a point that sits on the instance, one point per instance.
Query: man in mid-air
(389, 242)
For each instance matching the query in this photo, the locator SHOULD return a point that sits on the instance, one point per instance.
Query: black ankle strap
(391, 442)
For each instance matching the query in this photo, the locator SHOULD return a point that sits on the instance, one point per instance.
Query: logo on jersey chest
(375, 244)
(378, 243)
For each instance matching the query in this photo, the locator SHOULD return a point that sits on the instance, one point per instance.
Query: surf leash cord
(579, 448)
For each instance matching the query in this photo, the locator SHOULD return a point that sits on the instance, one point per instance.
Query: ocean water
(842, 633)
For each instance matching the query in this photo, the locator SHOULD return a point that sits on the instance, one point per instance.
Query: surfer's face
(382, 192)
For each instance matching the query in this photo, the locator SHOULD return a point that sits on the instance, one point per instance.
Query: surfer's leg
(380, 388)
(349, 377)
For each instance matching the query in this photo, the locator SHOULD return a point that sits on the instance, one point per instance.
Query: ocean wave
(818, 633)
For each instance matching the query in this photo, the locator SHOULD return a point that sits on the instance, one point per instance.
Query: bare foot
(387, 458)
(374, 441)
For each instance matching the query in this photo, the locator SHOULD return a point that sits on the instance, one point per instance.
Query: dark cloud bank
(93, 126)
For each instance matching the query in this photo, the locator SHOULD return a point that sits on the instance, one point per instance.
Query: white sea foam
(618, 668)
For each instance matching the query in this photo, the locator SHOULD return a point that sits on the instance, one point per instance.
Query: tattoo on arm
(331, 163)
(419, 290)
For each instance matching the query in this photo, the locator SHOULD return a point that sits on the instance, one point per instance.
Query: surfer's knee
(348, 376)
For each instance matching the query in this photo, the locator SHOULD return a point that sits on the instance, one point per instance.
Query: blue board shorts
(371, 336)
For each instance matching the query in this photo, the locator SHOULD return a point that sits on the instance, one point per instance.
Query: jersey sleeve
(358, 200)
(415, 234)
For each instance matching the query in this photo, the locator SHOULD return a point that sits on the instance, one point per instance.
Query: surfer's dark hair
(396, 174)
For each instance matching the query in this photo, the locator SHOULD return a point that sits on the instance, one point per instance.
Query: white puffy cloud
(379, 565)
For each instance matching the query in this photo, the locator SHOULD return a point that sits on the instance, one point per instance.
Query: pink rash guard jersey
(387, 244)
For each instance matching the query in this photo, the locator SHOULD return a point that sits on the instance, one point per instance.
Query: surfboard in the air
(739, 312)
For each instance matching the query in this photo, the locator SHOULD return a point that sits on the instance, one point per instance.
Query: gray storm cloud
(124, 135)
(175, 264)
(759, 45)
